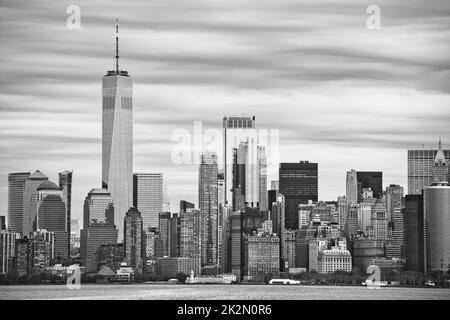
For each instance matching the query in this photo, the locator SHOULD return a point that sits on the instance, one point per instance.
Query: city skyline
(69, 137)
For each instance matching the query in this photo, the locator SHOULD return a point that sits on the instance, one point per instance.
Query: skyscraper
(117, 139)
(16, 189)
(148, 193)
(298, 184)
(394, 195)
(370, 179)
(7, 250)
(65, 184)
(414, 232)
(52, 217)
(164, 232)
(133, 241)
(436, 205)
(352, 187)
(98, 207)
(185, 205)
(98, 226)
(235, 130)
(208, 205)
(420, 168)
(98, 233)
(262, 171)
(191, 236)
(440, 165)
(30, 202)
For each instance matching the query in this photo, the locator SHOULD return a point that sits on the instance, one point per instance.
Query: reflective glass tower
(117, 140)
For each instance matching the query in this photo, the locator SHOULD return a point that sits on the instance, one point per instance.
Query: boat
(284, 281)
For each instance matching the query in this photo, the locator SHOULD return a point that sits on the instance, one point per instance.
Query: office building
(30, 202)
(133, 240)
(43, 250)
(97, 234)
(208, 205)
(303, 237)
(378, 228)
(436, 211)
(394, 196)
(117, 139)
(263, 255)
(169, 267)
(16, 190)
(440, 170)
(352, 187)
(52, 216)
(314, 247)
(262, 171)
(164, 232)
(289, 249)
(98, 208)
(330, 261)
(7, 250)
(185, 205)
(420, 168)
(65, 184)
(414, 232)
(235, 130)
(191, 236)
(372, 180)
(364, 251)
(298, 184)
(23, 257)
(148, 197)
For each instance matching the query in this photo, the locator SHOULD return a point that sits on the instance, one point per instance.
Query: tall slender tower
(117, 139)
(352, 187)
(208, 198)
(16, 192)
(440, 165)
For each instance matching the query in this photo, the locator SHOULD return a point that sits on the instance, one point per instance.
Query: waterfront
(212, 292)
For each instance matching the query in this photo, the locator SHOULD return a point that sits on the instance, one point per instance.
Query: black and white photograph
(237, 152)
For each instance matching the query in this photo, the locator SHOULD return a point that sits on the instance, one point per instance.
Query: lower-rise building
(330, 261)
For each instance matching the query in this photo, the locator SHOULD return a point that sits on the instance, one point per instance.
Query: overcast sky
(340, 94)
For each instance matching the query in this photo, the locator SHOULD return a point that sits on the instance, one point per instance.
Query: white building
(330, 261)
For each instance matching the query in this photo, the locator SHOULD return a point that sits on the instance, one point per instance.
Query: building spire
(440, 144)
(117, 46)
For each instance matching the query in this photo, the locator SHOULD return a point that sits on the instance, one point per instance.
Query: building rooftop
(99, 191)
(37, 175)
(48, 185)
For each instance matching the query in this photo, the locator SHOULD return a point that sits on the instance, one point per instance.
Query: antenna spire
(440, 144)
(117, 46)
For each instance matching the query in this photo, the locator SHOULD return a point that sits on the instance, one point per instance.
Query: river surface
(223, 292)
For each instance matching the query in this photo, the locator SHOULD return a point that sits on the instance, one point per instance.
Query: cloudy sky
(340, 94)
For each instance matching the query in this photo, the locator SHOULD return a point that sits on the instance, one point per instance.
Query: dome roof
(48, 185)
(37, 175)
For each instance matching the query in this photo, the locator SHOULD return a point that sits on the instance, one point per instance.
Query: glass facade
(298, 184)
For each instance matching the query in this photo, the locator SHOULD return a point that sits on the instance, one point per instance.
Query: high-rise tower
(235, 130)
(420, 168)
(117, 139)
(352, 187)
(440, 165)
(208, 204)
(16, 192)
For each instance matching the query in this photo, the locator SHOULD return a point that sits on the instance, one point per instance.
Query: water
(225, 292)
